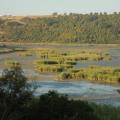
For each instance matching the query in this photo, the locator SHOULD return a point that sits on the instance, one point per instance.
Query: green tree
(15, 92)
(53, 106)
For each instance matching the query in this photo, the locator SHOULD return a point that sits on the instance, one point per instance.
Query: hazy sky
(40, 7)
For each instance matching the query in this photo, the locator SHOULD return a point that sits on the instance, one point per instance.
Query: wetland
(86, 72)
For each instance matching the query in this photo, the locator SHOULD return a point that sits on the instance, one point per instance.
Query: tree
(14, 93)
(55, 14)
(53, 106)
(72, 28)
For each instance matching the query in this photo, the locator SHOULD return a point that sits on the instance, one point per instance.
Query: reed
(93, 73)
(12, 64)
(76, 55)
(28, 53)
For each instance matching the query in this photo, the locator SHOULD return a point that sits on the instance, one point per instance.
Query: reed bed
(93, 73)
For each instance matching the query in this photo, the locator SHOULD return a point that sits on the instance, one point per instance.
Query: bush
(53, 106)
(15, 93)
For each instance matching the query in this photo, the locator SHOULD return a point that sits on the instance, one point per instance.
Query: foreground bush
(17, 102)
(15, 93)
(53, 106)
(105, 112)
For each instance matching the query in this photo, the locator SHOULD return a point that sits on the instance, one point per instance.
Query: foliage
(106, 112)
(15, 92)
(22, 54)
(72, 28)
(18, 103)
(53, 106)
(12, 63)
(94, 73)
(53, 60)
(8, 49)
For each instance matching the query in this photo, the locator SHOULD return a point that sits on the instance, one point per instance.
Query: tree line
(73, 28)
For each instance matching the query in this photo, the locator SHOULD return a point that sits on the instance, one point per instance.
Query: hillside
(100, 28)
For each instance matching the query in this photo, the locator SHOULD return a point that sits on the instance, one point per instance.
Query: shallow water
(115, 54)
(84, 90)
(75, 88)
(81, 90)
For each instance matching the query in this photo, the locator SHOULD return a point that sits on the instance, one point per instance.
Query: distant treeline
(97, 28)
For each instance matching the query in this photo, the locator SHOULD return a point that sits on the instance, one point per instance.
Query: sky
(46, 7)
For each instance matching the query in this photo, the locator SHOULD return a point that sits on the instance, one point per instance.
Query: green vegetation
(51, 66)
(15, 92)
(17, 102)
(88, 56)
(7, 49)
(71, 56)
(27, 53)
(53, 106)
(105, 112)
(94, 73)
(12, 63)
(72, 28)
(53, 60)
(63, 63)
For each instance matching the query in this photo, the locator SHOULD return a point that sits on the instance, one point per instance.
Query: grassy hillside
(73, 28)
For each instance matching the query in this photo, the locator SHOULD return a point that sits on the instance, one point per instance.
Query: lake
(84, 90)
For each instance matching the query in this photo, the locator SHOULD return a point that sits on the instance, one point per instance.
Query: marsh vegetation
(53, 60)
(79, 67)
(93, 73)
(5, 49)
(63, 62)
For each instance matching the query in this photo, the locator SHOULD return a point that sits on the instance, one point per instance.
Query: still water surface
(84, 90)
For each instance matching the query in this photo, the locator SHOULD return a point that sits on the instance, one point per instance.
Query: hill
(94, 28)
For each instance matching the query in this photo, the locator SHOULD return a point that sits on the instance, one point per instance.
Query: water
(75, 88)
(102, 94)
(84, 90)
(115, 54)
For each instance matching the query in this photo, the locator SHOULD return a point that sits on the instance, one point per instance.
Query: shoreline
(68, 44)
